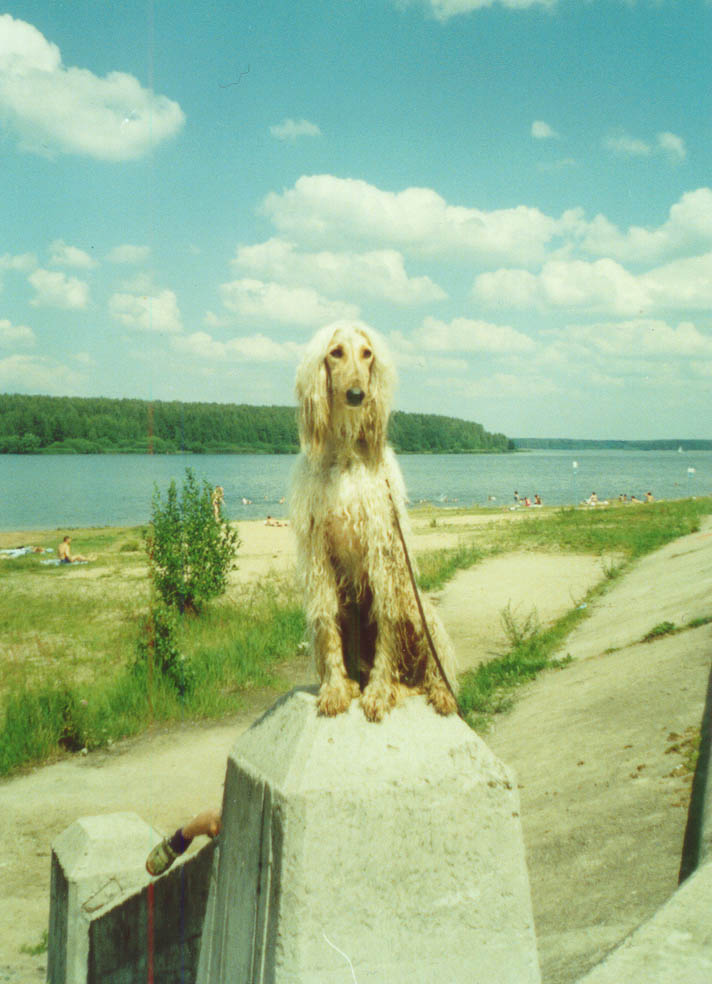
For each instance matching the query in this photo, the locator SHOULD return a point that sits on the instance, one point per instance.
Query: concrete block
(154, 935)
(95, 862)
(674, 946)
(353, 851)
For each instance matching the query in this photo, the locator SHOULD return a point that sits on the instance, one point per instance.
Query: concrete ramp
(353, 851)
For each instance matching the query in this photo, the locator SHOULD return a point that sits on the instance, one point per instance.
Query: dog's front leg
(380, 694)
(337, 690)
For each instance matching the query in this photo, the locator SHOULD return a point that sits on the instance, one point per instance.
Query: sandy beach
(603, 806)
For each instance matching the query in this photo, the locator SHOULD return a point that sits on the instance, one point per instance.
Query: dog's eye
(337, 352)
(366, 353)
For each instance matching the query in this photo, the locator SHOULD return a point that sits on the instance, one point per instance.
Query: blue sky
(517, 194)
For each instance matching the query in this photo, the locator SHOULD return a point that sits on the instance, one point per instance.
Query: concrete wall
(158, 929)
(392, 852)
(109, 922)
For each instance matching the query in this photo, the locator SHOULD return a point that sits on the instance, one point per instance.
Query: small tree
(190, 551)
(157, 651)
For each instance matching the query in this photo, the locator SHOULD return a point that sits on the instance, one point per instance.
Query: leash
(419, 603)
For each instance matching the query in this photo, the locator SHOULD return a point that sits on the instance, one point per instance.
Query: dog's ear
(313, 397)
(382, 380)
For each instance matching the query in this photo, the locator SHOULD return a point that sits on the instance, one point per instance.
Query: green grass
(622, 532)
(69, 644)
(233, 648)
(625, 532)
(34, 950)
(663, 629)
(490, 688)
(437, 567)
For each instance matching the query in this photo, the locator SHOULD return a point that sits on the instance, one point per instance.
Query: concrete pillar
(95, 862)
(370, 852)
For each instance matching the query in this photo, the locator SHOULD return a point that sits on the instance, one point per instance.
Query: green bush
(190, 552)
(157, 650)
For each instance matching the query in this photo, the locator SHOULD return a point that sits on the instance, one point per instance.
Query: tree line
(572, 444)
(99, 425)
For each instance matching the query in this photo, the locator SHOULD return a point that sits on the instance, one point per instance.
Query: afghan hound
(347, 499)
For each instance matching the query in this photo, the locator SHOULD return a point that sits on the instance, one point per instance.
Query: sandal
(161, 858)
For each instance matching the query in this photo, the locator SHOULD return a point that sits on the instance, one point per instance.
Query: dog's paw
(443, 701)
(377, 702)
(334, 699)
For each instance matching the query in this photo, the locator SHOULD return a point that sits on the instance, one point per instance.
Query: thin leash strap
(418, 602)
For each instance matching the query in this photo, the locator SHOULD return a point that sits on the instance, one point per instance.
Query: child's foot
(161, 858)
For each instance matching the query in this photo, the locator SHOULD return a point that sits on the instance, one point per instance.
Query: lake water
(53, 491)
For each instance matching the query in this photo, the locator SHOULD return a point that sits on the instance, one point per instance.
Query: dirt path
(167, 775)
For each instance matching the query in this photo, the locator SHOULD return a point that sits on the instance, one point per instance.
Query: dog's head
(344, 387)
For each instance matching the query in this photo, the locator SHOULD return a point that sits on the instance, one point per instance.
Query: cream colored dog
(346, 487)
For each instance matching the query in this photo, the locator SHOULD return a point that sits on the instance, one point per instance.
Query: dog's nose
(354, 396)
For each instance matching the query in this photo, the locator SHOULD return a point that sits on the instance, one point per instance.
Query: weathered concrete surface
(392, 849)
(599, 750)
(674, 947)
(673, 584)
(96, 862)
(155, 934)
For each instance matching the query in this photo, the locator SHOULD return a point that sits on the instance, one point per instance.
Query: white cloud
(55, 289)
(467, 335)
(15, 334)
(20, 264)
(71, 110)
(154, 312)
(325, 208)
(684, 284)
(246, 348)
(602, 285)
(129, 254)
(379, 273)
(542, 131)
(615, 353)
(672, 145)
(638, 339)
(445, 9)
(275, 302)
(623, 145)
(70, 256)
(292, 129)
(35, 374)
(688, 228)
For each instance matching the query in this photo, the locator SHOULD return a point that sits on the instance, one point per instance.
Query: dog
(347, 499)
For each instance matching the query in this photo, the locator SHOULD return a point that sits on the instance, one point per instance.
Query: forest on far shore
(100, 425)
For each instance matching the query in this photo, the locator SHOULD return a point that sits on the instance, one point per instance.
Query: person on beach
(217, 499)
(64, 553)
(166, 851)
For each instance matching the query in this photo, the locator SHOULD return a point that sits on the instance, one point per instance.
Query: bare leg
(207, 822)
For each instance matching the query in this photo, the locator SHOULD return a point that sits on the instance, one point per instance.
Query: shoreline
(422, 514)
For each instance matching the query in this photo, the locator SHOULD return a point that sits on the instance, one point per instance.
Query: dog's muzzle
(354, 397)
